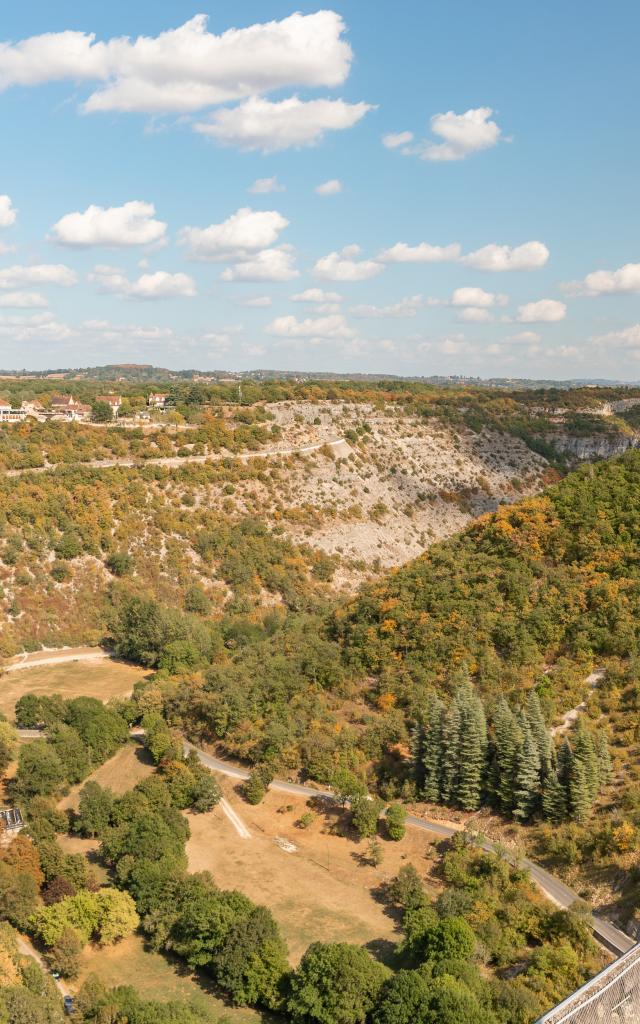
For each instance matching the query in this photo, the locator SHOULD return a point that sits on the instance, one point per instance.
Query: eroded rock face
(595, 446)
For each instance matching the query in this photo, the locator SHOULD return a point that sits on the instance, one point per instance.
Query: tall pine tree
(506, 740)
(554, 799)
(528, 775)
(451, 726)
(540, 732)
(472, 749)
(584, 750)
(432, 751)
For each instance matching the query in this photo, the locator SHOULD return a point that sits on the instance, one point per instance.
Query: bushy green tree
(395, 821)
(335, 984)
(40, 770)
(405, 999)
(95, 808)
(64, 954)
(365, 813)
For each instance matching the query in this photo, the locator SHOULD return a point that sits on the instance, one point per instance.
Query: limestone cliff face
(594, 446)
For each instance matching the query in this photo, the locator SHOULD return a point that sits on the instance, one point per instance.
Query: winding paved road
(606, 933)
(560, 894)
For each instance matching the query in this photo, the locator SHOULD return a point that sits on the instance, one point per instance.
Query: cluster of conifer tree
(466, 755)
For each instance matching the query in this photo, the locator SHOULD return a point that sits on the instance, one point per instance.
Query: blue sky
(500, 237)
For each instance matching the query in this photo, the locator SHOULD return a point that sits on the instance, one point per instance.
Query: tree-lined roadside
(606, 933)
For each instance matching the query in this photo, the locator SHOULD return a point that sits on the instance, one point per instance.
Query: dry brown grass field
(324, 891)
(122, 772)
(156, 977)
(101, 679)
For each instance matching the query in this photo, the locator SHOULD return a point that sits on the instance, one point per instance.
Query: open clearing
(320, 892)
(102, 679)
(155, 977)
(120, 773)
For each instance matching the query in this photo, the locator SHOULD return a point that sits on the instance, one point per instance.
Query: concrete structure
(11, 823)
(612, 997)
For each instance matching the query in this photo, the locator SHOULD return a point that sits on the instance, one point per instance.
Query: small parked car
(69, 1008)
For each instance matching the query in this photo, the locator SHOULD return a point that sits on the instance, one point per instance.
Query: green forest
(438, 684)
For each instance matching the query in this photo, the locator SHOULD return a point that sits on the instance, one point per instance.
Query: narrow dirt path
(35, 659)
(27, 949)
(175, 461)
(571, 716)
(235, 819)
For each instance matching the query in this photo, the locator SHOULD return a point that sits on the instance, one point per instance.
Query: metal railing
(612, 997)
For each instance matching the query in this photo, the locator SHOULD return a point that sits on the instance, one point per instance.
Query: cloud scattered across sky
(263, 186)
(405, 308)
(159, 285)
(329, 188)
(185, 69)
(625, 280)
(115, 227)
(343, 266)
(424, 252)
(543, 311)
(22, 300)
(261, 124)
(239, 236)
(626, 337)
(8, 213)
(458, 136)
(267, 265)
(499, 258)
(38, 274)
(333, 326)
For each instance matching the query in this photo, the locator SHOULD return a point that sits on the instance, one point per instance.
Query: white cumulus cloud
(267, 265)
(37, 327)
(392, 140)
(258, 123)
(188, 68)
(474, 315)
(458, 135)
(263, 186)
(477, 297)
(159, 285)
(113, 227)
(608, 282)
(318, 295)
(38, 274)
(22, 300)
(258, 302)
(407, 307)
(529, 256)
(524, 337)
(342, 266)
(329, 188)
(243, 233)
(542, 311)
(627, 337)
(421, 253)
(8, 212)
(334, 326)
